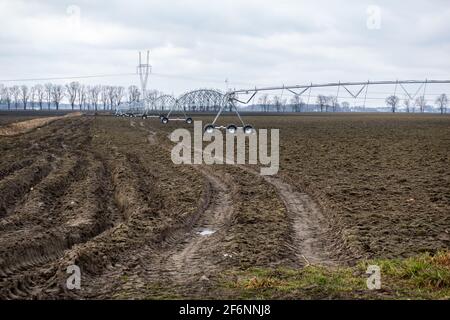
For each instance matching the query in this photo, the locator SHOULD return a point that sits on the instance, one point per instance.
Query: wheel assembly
(164, 120)
(231, 128)
(248, 129)
(189, 120)
(209, 128)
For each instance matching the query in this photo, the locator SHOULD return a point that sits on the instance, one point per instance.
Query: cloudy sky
(203, 42)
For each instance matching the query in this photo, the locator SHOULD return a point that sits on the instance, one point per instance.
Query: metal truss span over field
(213, 99)
(334, 96)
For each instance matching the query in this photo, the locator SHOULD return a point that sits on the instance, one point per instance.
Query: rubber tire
(209, 128)
(231, 128)
(248, 128)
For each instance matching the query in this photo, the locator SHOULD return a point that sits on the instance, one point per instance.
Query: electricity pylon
(143, 69)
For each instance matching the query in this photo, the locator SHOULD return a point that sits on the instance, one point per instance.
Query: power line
(69, 78)
(161, 75)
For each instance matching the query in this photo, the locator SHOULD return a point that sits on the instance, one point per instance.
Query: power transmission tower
(143, 69)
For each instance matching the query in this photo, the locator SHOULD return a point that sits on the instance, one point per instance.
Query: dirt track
(103, 194)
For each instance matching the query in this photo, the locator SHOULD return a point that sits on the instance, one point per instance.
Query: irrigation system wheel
(232, 128)
(209, 128)
(248, 129)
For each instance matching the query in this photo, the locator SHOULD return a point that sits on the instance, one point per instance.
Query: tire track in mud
(13, 165)
(46, 159)
(36, 207)
(188, 256)
(215, 216)
(37, 236)
(120, 220)
(80, 223)
(134, 195)
(308, 224)
(16, 185)
(17, 167)
(182, 256)
(310, 231)
(20, 173)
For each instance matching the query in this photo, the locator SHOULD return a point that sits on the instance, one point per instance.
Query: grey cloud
(255, 42)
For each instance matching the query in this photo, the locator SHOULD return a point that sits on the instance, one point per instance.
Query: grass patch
(422, 277)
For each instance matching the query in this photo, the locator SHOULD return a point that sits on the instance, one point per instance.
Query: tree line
(394, 102)
(297, 104)
(78, 96)
(104, 97)
(329, 103)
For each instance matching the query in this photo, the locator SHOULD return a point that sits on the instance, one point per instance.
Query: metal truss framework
(217, 101)
(202, 100)
(143, 69)
(363, 87)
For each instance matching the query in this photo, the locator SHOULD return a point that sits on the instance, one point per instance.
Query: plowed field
(102, 193)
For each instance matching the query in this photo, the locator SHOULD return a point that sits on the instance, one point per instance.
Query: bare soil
(102, 193)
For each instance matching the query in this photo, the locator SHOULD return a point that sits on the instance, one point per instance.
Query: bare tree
(89, 102)
(15, 93)
(133, 94)
(104, 97)
(6, 96)
(345, 106)
(111, 93)
(48, 94)
(94, 95)
(322, 101)
(264, 101)
(120, 93)
(442, 102)
(421, 102)
(333, 101)
(82, 96)
(24, 95)
(276, 101)
(72, 92)
(40, 94)
(283, 104)
(32, 97)
(407, 104)
(297, 103)
(57, 94)
(393, 102)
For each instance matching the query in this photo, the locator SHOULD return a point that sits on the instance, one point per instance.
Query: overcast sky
(202, 43)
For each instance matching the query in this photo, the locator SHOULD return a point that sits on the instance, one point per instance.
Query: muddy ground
(102, 193)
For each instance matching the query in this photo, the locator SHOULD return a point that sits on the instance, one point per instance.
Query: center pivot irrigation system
(215, 100)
